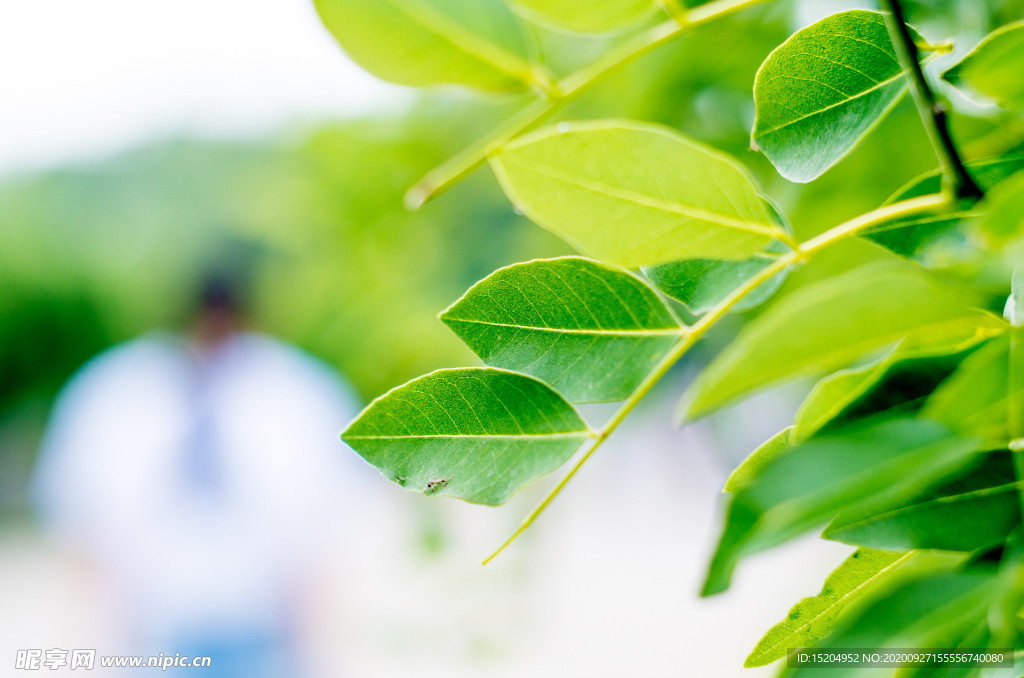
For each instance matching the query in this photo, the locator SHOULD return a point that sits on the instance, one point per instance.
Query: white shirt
(201, 483)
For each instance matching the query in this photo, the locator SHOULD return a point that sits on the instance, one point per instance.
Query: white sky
(80, 79)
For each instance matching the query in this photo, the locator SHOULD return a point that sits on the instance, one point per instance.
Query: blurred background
(143, 145)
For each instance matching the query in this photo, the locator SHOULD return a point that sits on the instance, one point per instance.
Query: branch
(564, 92)
(932, 111)
(802, 253)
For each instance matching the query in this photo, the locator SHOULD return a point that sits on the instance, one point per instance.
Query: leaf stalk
(881, 215)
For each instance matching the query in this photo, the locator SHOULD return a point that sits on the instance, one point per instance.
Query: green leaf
(586, 16)
(701, 284)
(476, 434)
(1003, 208)
(824, 326)
(939, 611)
(474, 43)
(865, 467)
(812, 619)
(930, 238)
(976, 510)
(909, 372)
(994, 68)
(745, 473)
(591, 331)
(635, 194)
(835, 393)
(823, 90)
(974, 400)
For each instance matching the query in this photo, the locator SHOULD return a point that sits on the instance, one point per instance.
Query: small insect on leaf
(435, 486)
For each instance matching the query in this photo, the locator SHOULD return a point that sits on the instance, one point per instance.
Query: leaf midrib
(645, 200)
(555, 330)
(464, 40)
(512, 436)
(948, 499)
(871, 89)
(845, 401)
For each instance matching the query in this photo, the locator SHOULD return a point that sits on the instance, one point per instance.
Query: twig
(802, 253)
(562, 93)
(931, 110)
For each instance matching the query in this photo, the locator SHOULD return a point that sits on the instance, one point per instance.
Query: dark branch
(932, 111)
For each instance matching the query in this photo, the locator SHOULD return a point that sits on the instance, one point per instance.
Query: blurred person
(200, 473)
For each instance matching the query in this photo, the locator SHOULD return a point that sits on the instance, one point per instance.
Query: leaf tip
(345, 436)
(688, 409)
(417, 196)
(719, 572)
(714, 585)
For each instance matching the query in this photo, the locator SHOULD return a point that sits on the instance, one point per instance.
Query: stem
(874, 217)
(698, 329)
(673, 356)
(1015, 414)
(932, 112)
(564, 92)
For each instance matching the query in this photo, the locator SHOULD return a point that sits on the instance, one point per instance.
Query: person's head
(224, 292)
(220, 309)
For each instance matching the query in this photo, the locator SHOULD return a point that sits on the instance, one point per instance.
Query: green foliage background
(99, 253)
